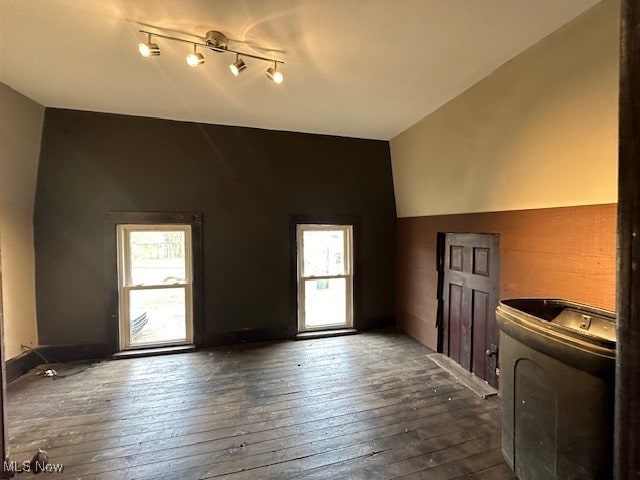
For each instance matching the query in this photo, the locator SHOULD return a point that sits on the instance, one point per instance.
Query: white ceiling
(357, 68)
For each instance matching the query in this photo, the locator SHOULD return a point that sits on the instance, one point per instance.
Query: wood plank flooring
(369, 406)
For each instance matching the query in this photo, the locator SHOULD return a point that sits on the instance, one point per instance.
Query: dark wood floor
(369, 406)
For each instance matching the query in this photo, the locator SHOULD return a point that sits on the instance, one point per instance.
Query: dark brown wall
(555, 252)
(245, 182)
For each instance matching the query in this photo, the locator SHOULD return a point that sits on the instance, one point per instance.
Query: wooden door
(469, 294)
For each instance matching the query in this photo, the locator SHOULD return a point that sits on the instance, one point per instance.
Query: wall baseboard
(30, 359)
(377, 323)
(246, 336)
(21, 364)
(282, 333)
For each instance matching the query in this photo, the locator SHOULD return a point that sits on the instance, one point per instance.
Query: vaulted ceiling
(360, 68)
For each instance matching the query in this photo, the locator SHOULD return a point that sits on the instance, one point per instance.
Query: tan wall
(20, 134)
(567, 252)
(541, 131)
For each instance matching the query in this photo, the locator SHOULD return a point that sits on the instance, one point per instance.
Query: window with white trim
(325, 276)
(155, 283)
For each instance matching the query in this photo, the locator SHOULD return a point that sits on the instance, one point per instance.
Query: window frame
(126, 286)
(302, 278)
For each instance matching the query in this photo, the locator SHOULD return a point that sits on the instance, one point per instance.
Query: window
(325, 278)
(155, 283)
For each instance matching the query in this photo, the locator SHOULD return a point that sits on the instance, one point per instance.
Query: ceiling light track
(217, 42)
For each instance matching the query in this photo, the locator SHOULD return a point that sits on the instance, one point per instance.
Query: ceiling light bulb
(237, 66)
(195, 59)
(148, 49)
(274, 75)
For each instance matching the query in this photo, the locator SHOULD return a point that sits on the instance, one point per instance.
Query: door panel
(456, 259)
(479, 319)
(470, 296)
(455, 313)
(481, 261)
(466, 327)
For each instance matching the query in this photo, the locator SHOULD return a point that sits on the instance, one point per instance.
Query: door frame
(308, 219)
(124, 335)
(4, 444)
(113, 219)
(626, 442)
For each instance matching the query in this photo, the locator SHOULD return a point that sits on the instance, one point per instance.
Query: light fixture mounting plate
(218, 41)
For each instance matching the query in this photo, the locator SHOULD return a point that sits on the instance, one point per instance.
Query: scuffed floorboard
(368, 406)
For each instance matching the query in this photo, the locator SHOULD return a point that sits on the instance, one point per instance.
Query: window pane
(157, 315)
(324, 253)
(325, 302)
(157, 257)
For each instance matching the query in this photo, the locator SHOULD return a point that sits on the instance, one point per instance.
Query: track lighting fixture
(238, 66)
(194, 59)
(148, 49)
(274, 75)
(216, 42)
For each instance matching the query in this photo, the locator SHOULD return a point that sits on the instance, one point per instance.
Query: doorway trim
(302, 219)
(4, 444)
(113, 219)
(626, 442)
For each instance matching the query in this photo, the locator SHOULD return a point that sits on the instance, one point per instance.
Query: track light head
(148, 49)
(194, 59)
(238, 66)
(274, 75)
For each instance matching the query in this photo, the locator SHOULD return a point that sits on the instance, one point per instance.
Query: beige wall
(20, 134)
(541, 131)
